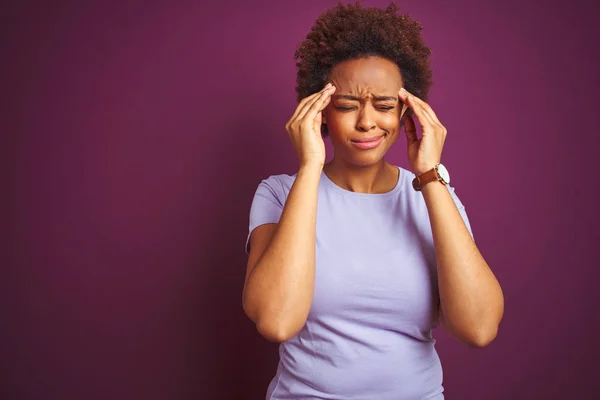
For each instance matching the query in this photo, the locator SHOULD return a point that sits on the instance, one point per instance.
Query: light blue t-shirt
(368, 334)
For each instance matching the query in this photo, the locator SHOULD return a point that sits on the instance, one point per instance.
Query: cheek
(390, 122)
(340, 122)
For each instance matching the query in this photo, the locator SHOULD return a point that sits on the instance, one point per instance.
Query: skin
(281, 266)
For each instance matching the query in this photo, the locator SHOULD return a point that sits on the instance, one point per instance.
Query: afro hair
(350, 31)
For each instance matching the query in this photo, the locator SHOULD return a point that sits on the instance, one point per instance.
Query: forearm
(471, 300)
(279, 291)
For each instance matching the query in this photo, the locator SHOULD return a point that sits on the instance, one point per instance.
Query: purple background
(138, 134)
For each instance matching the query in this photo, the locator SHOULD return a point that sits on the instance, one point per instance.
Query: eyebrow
(354, 98)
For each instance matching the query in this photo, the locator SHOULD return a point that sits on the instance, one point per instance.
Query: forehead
(367, 74)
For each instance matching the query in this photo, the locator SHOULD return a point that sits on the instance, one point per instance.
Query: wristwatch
(437, 173)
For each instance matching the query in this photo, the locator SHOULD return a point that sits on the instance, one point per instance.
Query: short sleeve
(267, 205)
(461, 209)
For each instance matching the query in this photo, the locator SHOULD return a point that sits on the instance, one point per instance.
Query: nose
(366, 119)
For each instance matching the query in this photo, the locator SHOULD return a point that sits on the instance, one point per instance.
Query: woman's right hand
(304, 128)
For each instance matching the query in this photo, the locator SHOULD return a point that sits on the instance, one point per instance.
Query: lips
(368, 143)
(367, 140)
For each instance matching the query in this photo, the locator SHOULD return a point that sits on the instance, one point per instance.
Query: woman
(354, 262)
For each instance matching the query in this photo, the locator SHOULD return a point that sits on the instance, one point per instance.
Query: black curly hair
(350, 31)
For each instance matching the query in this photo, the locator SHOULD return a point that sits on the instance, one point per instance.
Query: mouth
(368, 143)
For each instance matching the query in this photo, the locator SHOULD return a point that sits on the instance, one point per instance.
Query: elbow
(276, 332)
(473, 335)
(482, 338)
(486, 333)
(273, 329)
(274, 323)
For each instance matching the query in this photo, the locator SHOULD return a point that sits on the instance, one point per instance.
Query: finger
(302, 103)
(302, 111)
(428, 110)
(312, 102)
(405, 97)
(319, 105)
(410, 129)
(326, 99)
(404, 108)
(404, 113)
(319, 115)
(310, 105)
(299, 109)
(424, 119)
(426, 107)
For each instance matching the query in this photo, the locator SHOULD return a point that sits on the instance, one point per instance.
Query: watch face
(444, 173)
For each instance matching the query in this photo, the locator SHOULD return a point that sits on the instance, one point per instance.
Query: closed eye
(381, 108)
(345, 108)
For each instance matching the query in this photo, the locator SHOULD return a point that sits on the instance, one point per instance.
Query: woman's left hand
(424, 153)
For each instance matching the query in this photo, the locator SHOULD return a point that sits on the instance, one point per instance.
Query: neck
(377, 178)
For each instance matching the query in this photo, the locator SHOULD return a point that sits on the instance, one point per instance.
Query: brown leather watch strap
(424, 179)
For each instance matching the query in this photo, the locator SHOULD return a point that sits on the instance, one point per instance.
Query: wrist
(423, 169)
(438, 173)
(311, 167)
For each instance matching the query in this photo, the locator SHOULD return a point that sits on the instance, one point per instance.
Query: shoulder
(284, 181)
(277, 186)
(280, 182)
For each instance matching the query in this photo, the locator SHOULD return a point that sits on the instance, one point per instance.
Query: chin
(365, 160)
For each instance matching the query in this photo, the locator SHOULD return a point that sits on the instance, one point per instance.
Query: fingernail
(403, 90)
(328, 86)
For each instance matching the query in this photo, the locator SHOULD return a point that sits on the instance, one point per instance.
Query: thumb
(410, 130)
